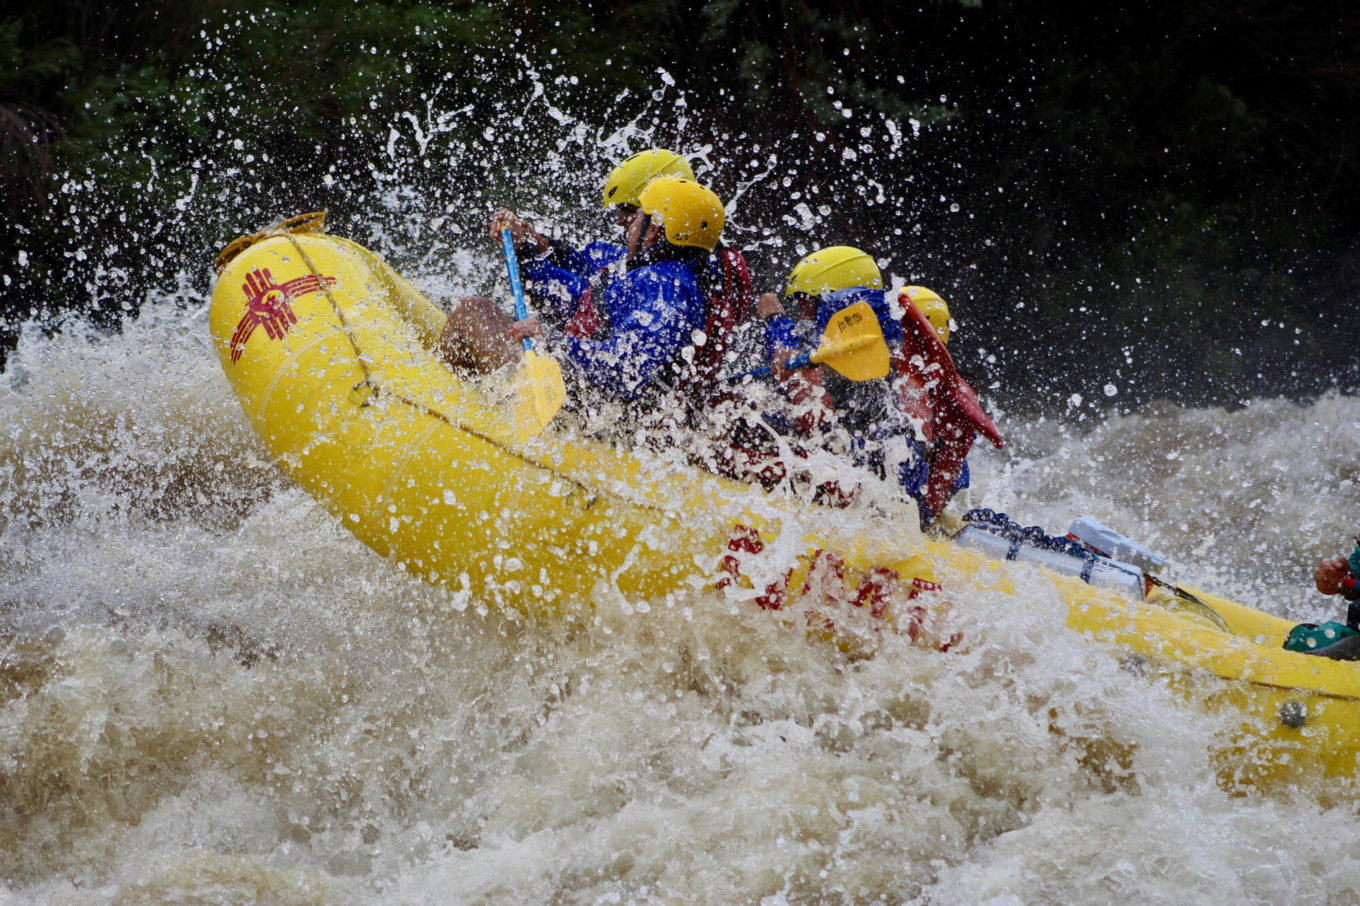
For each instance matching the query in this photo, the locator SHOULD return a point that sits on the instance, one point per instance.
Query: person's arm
(781, 345)
(948, 469)
(781, 334)
(596, 256)
(812, 405)
(528, 241)
(564, 256)
(559, 279)
(554, 291)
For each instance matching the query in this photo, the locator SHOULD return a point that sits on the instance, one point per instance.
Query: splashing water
(212, 693)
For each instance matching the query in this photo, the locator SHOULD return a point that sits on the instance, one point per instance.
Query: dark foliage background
(1121, 201)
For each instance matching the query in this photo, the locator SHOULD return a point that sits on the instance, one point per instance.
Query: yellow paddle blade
(853, 344)
(539, 394)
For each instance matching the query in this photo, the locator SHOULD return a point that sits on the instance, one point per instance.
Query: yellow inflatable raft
(330, 352)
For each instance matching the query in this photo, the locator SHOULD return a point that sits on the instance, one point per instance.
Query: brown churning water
(210, 692)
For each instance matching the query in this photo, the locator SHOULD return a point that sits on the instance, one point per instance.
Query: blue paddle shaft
(512, 266)
(801, 361)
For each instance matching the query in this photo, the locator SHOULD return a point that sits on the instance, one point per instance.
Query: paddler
(916, 425)
(560, 279)
(1338, 641)
(556, 275)
(566, 283)
(653, 313)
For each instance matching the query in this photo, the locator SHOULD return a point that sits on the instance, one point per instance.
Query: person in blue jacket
(652, 313)
(907, 426)
(557, 276)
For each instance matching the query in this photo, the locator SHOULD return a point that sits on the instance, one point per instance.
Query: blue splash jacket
(556, 280)
(652, 312)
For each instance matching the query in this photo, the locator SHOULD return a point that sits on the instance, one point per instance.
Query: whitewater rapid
(211, 693)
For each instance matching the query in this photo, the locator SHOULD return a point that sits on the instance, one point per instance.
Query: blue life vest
(653, 313)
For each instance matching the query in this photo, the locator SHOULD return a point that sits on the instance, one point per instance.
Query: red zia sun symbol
(267, 306)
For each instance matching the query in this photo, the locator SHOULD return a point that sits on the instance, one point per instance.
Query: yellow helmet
(628, 179)
(829, 269)
(931, 305)
(690, 214)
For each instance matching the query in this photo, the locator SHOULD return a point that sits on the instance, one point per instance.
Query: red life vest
(725, 311)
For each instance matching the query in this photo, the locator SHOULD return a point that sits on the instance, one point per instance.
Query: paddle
(852, 344)
(919, 338)
(1190, 598)
(540, 391)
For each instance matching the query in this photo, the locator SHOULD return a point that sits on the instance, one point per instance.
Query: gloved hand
(1334, 577)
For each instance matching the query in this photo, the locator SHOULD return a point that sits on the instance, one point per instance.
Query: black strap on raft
(1031, 536)
(1353, 614)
